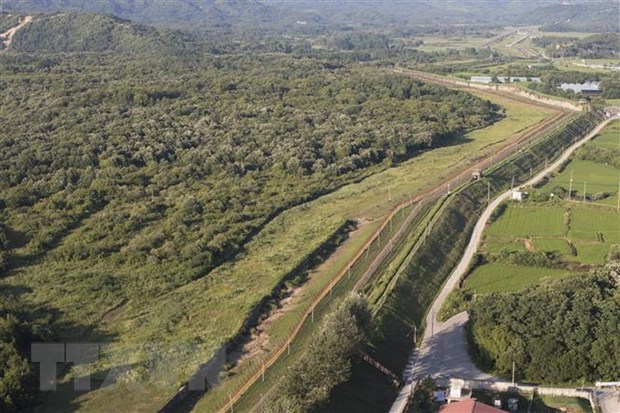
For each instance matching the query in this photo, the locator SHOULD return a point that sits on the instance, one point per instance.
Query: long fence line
(256, 371)
(423, 199)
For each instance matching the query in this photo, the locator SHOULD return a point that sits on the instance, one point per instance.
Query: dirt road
(7, 37)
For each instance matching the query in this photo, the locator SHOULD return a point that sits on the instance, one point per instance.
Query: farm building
(504, 79)
(586, 88)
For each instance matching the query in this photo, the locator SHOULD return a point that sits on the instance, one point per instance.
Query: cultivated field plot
(597, 177)
(610, 138)
(490, 278)
(529, 221)
(589, 252)
(495, 245)
(595, 224)
(589, 228)
(559, 246)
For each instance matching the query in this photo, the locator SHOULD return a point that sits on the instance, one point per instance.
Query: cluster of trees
(327, 361)
(561, 331)
(189, 159)
(597, 46)
(525, 258)
(423, 397)
(18, 379)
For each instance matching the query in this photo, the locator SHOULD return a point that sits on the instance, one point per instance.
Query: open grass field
(552, 245)
(592, 224)
(590, 252)
(597, 178)
(610, 138)
(491, 278)
(494, 245)
(205, 313)
(532, 221)
(436, 42)
(592, 229)
(611, 201)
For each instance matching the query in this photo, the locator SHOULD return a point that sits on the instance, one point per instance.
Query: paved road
(444, 348)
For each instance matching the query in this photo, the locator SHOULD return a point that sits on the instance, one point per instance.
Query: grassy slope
(233, 290)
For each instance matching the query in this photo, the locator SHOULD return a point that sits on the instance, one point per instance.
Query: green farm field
(588, 223)
(491, 278)
(529, 221)
(592, 230)
(610, 138)
(184, 315)
(597, 177)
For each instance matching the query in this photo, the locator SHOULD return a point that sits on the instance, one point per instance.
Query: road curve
(434, 356)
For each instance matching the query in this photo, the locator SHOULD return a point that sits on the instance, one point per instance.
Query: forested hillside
(282, 15)
(131, 166)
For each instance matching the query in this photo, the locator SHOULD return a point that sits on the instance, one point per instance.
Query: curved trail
(443, 350)
(7, 37)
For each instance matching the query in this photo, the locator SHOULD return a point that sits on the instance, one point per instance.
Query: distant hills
(284, 15)
(71, 32)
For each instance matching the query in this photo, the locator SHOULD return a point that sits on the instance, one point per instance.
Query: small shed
(517, 195)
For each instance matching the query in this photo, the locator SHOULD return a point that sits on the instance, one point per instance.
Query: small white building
(517, 195)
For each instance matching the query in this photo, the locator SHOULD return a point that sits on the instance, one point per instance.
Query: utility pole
(584, 190)
(415, 334)
(570, 190)
(513, 374)
(512, 186)
(390, 193)
(488, 193)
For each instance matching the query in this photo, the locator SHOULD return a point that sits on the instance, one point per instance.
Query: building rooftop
(469, 406)
(581, 87)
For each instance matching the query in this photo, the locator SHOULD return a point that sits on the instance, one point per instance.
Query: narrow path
(444, 344)
(7, 37)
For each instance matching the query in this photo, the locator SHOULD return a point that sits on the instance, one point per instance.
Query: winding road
(443, 351)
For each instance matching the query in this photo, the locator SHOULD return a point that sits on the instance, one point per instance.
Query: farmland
(596, 177)
(523, 221)
(573, 231)
(490, 278)
(610, 138)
